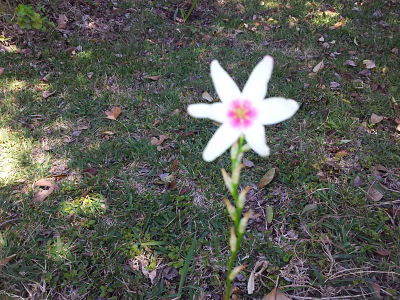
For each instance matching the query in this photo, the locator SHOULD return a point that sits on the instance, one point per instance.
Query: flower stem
(236, 161)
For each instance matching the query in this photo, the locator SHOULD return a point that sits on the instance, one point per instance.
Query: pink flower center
(241, 113)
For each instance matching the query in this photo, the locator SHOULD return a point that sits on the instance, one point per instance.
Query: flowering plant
(242, 116)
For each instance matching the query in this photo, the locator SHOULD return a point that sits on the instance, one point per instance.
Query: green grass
(113, 220)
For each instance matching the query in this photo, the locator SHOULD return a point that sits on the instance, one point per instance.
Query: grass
(124, 208)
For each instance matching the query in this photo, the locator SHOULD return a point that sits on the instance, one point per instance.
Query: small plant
(27, 18)
(185, 16)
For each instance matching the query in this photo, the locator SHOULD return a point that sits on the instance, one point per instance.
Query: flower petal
(222, 139)
(226, 88)
(216, 111)
(255, 137)
(256, 86)
(276, 109)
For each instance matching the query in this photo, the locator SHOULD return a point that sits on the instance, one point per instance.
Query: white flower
(242, 113)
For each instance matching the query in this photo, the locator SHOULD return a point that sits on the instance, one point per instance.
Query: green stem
(235, 164)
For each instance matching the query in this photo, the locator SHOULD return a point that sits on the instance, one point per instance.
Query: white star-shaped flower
(242, 113)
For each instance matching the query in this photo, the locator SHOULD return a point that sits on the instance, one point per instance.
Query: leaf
(5, 261)
(275, 294)
(336, 25)
(382, 252)
(373, 194)
(154, 77)
(42, 194)
(258, 269)
(89, 75)
(350, 63)
(47, 94)
(270, 214)
(318, 67)
(207, 96)
(369, 64)
(114, 113)
(321, 39)
(375, 119)
(340, 154)
(309, 208)
(248, 163)
(1, 71)
(267, 178)
(62, 21)
(334, 85)
(158, 141)
(365, 73)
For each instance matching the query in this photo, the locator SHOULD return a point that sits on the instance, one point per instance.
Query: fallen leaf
(259, 267)
(114, 113)
(395, 51)
(5, 261)
(62, 21)
(248, 163)
(382, 252)
(1, 71)
(267, 178)
(373, 194)
(350, 63)
(321, 39)
(334, 85)
(275, 294)
(159, 140)
(377, 289)
(318, 67)
(357, 181)
(207, 96)
(89, 75)
(340, 154)
(369, 64)
(42, 194)
(309, 208)
(365, 72)
(326, 45)
(76, 133)
(336, 25)
(154, 78)
(169, 273)
(107, 132)
(47, 94)
(270, 214)
(375, 119)
(398, 128)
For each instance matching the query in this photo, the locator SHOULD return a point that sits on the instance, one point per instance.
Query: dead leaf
(318, 67)
(275, 294)
(107, 132)
(377, 289)
(248, 163)
(42, 194)
(357, 181)
(5, 261)
(207, 96)
(336, 25)
(259, 267)
(369, 64)
(1, 71)
(159, 140)
(154, 78)
(321, 39)
(350, 63)
(267, 178)
(375, 119)
(309, 208)
(382, 252)
(373, 194)
(395, 51)
(340, 154)
(334, 85)
(114, 113)
(89, 75)
(62, 21)
(47, 94)
(365, 72)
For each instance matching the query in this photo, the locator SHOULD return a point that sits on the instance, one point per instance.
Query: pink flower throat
(241, 113)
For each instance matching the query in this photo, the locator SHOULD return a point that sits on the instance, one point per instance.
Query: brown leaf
(337, 25)
(248, 163)
(318, 67)
(89, 75)
(154, 78)
(5, 261)
(369, 64)
(334, 85)
(340, 154)
(114, 113)
(267, 178)
(42, 194)
(275, 294)
(207, 96)
(158, 141)
(365, 72)
(47, 94)
(373, 194)
(383, 252)
(1, 71)
(377, 289)
(375, 119)
(350, 63)
(62, 21)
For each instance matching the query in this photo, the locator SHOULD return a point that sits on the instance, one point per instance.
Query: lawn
(124, 207)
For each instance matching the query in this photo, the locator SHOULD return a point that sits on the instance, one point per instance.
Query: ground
(124, 207)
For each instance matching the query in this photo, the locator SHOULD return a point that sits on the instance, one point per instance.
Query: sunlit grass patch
(59, 249)
(86, 206)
